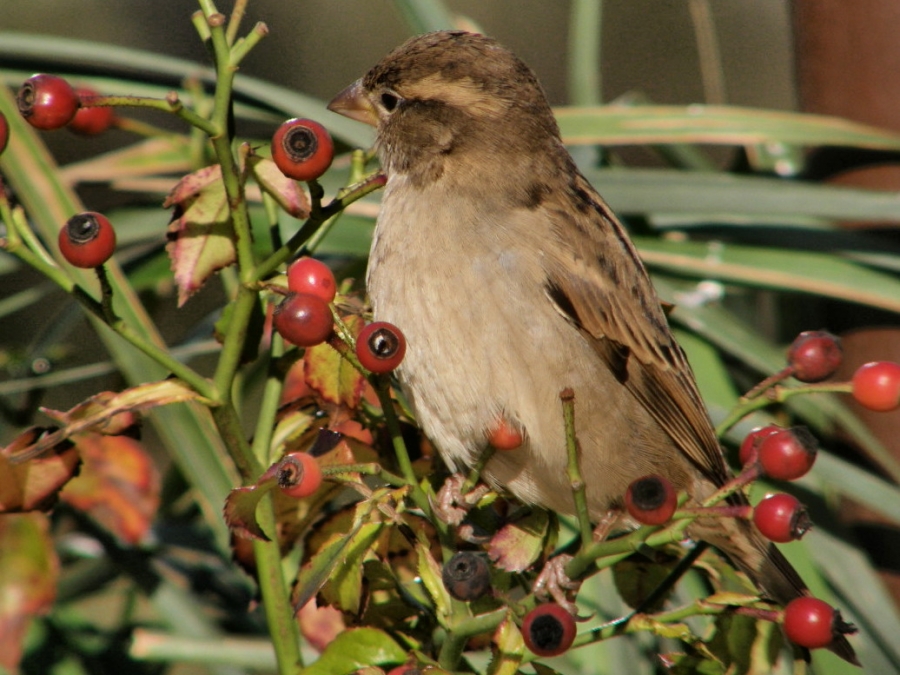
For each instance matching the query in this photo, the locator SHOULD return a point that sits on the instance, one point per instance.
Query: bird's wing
(596, 280)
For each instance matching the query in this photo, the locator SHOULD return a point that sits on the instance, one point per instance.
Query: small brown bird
(512, 280)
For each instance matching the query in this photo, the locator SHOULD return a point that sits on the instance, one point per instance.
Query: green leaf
(707, 195)
(430, 574)
(519, 543)
(357, 648)
(509, 648)
(700, 124)
(344, 586)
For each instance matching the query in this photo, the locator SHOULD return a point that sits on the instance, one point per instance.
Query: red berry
(47, 101)
(505, 435)
(298, 475)
(302, 149)
(788, 454)
(87, 240)
(380, 347)
(303, 319)
(876, 385)
(815, 355)
(308, 275)
(750, 447)
(781, 518)
(651, 500)
(466, 576)
(813, 623)
(548, 629)
(4, 132)
(91, 121)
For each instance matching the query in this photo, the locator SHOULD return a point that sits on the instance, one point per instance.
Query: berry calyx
(788, 454)
(380, 347)
(651, 500)
(815, 355)
(298, 475)
(749, 450)
(466, 576)
(303, 319)
(308, 275)
(4, 132)
(504, 435)
(548, 629)
(813, 623)
(90, 121)
(47, 101)
(876, 385)
(87, 240)
(302, 149)
(781, 518)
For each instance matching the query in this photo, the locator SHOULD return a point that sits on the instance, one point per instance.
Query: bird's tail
(761, 560)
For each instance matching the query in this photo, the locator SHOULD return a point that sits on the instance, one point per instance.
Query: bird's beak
(353, 103)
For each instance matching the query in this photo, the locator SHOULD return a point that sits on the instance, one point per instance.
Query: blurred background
(318, 46)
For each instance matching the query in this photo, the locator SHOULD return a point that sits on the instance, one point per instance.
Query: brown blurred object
(847, 59)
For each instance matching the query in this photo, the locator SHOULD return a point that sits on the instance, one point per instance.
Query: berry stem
(268, 407)
(573, 468)
(346, 197)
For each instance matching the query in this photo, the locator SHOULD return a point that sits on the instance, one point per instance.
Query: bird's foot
(553, 582)
(451, 504)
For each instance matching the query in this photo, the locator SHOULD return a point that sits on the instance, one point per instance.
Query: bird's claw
(553, 582)
(451, 505)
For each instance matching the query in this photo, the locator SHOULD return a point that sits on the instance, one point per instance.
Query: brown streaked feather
(627, 324)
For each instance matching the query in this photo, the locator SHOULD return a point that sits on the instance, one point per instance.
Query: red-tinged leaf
(118, 485)
(240, 509)
(518, 544)
(28, 573)
(103, 411)
(357, 648)
(96, 412)
(33, 485)
(201, 238)
(286, 191)
(320, 625)
(331, 375)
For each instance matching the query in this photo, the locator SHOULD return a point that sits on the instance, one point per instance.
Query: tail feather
(767, 567)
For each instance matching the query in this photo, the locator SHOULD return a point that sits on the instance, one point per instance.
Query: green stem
(347, 197)
(276, 596)
(584, 52)
(573, 468)
(229, 426)
(268, 408)
(243, 46)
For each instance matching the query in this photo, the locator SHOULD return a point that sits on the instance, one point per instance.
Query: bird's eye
(390, 101)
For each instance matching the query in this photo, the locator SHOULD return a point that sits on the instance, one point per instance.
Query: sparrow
(512, 280)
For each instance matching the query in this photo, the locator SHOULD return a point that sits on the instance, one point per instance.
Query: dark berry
(504, 435)
(302, 149)
(750, 446)
(47, 101)
(466, 576)
(781, 518)
(90, 121)
(651, 500)
(548, 629)
(87, 240)
(876, 385)
(308, 275)
(788, 454)
(298, 475)
(303, 319)
(380, 347)
(813, 623)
